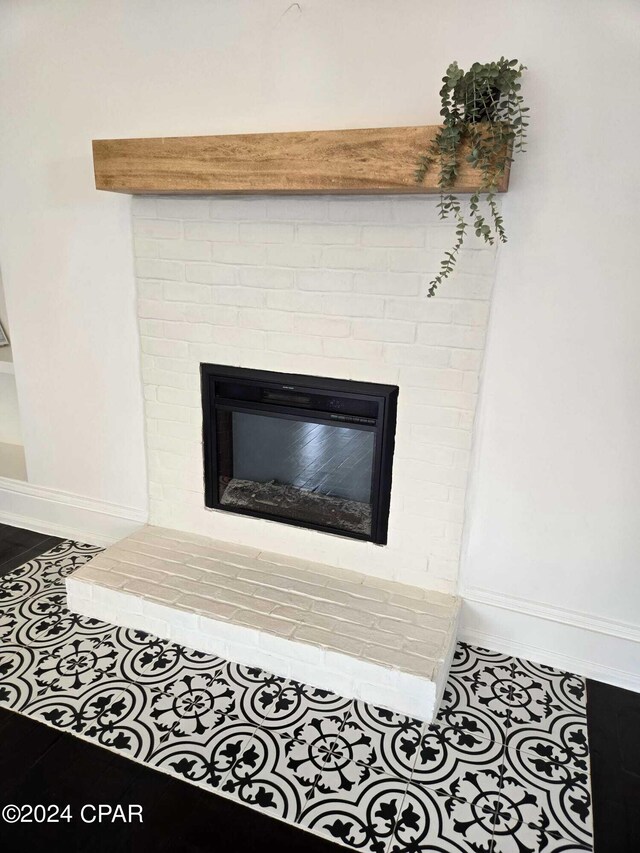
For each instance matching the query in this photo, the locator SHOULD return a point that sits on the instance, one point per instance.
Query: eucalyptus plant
(483, 114)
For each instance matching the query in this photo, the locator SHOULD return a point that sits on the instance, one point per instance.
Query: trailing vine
(482, 111)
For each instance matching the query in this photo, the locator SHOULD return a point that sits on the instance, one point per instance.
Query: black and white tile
(503, 769)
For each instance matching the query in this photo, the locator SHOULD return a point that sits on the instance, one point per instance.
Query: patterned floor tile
(17, 687)
(363, 817)
(520, 838)
(117, 714)
(513, 692)
(44, 619)
(429, 822)
(158, 663)
(205, 759)
(274, 772)
(50, 568)
(296, 704)
(174, 670)
(61, 669)
(549, 797)
(455, 713)
(513, 836)
(567, 742)
(94, 705)
(383, 740)
(447, 758)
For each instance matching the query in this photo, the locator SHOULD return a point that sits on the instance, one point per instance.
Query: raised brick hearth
(362, 637)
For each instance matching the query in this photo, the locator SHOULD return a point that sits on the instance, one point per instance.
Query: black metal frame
(288, 386)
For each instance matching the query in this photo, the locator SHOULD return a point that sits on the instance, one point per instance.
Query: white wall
(556, 486)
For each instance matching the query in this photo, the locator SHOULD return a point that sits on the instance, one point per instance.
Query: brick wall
(327, 286)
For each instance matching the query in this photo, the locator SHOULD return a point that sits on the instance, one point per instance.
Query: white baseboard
(66, 515)
(592, 647)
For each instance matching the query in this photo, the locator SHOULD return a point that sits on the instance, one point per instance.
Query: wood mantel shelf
(374, 160)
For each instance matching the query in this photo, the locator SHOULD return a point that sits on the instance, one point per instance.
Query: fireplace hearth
(302, 450)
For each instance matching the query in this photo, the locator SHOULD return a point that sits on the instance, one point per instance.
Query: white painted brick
(470, 383)
(164, 228)
(430, 416)
(324, 280)
(359, 209)
(289, 255)
(178, 397)
(239, 296)
(199, 332)
(183, 208)
(186, 293)
(296, 344)
(471, 313)
(150, 327)
(392, 235)
(435, 334)
(418, 470)
(441, 435)
(297, 208)
(466, 359)
(477, 263)
(168, 270)
(145, 248)
(416, 210)
(411, 354)
(328, 234)
(236, 253)
(432, 378)
(354, 258)
(234, 208)
(268, 277)
(463, 286)
(160, 310)
(210, 273)
(184, 250)
(453, 399)
(347, 348)
(387, 283)
(143, 206)
(419, 309)
(325, 326)
(250, 338)
(161, 411)
(150, 289)
(352, 305)
(383, 330)
(261, 318)
(413, 260)
(218, 315)
(266, 232)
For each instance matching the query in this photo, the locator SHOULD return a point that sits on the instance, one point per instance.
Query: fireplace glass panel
(314, 473)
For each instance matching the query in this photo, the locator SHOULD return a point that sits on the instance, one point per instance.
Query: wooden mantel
(375, 160)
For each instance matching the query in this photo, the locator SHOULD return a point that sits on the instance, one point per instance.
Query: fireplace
(303, 450)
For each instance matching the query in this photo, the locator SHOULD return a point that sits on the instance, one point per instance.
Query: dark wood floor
(39, 765)
(614, 739)
(18, 546)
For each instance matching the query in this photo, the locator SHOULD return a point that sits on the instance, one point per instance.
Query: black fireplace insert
(302, 450)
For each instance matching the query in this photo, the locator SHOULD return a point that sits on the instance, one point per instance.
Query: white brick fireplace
(328, 286)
